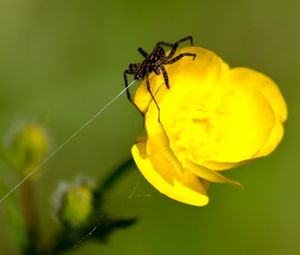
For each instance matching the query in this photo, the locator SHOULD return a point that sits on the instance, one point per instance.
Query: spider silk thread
(70, 138)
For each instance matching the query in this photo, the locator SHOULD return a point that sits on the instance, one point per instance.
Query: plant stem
(64, 239)
(30, 217)
(116, 174)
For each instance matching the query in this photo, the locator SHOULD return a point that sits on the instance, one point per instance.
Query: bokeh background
(60, 61)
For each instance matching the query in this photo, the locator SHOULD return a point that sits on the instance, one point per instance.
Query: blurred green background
(60, 61)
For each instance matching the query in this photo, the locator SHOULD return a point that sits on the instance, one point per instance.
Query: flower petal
(188, 190)
(220, 166)
(257, 81)
(251, 79)
(209, 174)
(207, 67)
(273, 141)
(225, 125)
(159, 166)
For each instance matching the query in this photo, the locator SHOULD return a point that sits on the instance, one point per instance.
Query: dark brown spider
(154, 62)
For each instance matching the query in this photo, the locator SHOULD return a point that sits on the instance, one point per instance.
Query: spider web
(70, 138)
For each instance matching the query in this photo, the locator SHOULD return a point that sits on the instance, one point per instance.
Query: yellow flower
(212, 118)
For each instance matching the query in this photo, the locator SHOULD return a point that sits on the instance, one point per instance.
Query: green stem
(63, 240)
(116, 174)
(30, 217)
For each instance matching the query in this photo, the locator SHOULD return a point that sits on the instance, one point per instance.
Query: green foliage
(16, 224)
(14, 219)
(79, 205)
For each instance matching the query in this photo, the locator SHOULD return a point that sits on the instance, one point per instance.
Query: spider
(155, 62)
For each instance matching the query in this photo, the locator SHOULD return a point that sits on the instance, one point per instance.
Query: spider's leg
(126, 72)
(190, 38)
(153, 98)
(161, 43)
(165, 75)
(173, 60)
(175, 45)
(143, 52)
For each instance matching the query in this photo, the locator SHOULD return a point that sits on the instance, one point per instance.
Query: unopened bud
(74, 203)
(27, 147)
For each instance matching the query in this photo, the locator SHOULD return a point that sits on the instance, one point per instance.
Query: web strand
(71, 137)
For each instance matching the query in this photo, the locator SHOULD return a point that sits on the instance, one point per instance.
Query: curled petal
(208, 174)
(160, 168)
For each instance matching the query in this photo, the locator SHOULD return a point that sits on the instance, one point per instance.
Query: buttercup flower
(212, 118)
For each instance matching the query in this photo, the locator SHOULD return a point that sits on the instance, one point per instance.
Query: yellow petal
(142, 97)
(273, 141)
(162, 158)
(187, 190)
(245, 129)
(248, 78)
(257, 81)
(159, 166)
(206, 67)
(209, 174)
(220, 166)
(225, 126)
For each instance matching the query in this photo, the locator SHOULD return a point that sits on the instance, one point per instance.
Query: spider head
(137, 70)
(133, 68)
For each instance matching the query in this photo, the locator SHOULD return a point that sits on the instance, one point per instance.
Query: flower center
(197, 132)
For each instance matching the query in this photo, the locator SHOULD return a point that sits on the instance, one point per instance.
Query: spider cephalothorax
(154, 62)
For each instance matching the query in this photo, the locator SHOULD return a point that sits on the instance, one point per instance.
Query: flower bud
(27, 147)
(74, 203)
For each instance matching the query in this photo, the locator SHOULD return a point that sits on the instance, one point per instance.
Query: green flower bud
(74, 203)
(27, 147)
